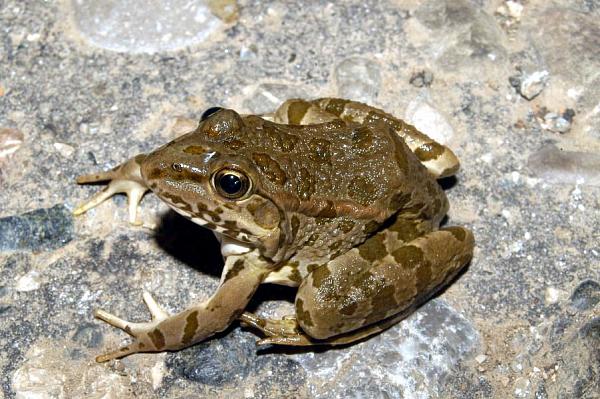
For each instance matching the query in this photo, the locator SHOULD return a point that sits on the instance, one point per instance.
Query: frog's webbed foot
(279, 332)
(145, 334)
(125, 178)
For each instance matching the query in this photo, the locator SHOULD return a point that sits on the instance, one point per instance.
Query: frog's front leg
(369, 288)
(242, 275)
(125, 178)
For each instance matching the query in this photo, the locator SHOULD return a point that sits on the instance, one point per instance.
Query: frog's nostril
(177, 167)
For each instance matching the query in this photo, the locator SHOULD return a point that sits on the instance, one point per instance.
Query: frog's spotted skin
(332, 196)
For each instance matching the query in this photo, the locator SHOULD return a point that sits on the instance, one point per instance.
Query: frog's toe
(134, 191)
(135, 347)
(96, 200)
(295, 340)
(157, 312)
(141, 332)
(284, 329)
(95, 177)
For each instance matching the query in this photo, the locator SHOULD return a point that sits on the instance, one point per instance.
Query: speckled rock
(80, 90)
(41, 229)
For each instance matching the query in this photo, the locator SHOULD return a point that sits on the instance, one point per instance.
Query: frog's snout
(153, 168)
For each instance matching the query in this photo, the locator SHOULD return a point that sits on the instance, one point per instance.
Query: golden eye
(231, 183)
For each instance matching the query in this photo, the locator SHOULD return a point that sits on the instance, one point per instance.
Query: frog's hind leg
(439, 160)
(302, 112)
(337, 304)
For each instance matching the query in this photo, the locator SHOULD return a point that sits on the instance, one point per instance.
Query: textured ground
(512, 87)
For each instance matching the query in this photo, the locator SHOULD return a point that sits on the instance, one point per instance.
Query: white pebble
(64, 149)
(358, 79)
(429, 121)
(551, 295)
(31, 281)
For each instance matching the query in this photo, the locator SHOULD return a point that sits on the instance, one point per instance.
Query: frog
(334, 197)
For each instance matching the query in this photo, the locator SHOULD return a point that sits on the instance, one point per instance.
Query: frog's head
(204, 176)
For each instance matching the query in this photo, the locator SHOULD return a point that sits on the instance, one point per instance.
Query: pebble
(268, 96)
(530, 85)
(511, 9)
(140, 26)
(551, 295)
(586, 295)
(29, 282)
(422, 78)
(570, 167)
(358, 79)
(41, 229)
(521, 387)
(37, 380)
(560, 123)
(226, 10)
(10, 141)
(64, 149)
(429, 121)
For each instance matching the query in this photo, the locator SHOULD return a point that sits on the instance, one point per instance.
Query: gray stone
(217, 362)
(409, 360)
(530, 85)
(142, 26)
(42, 229)
(586, 295)
(358, 79)
(571, 167)
(268, 96)
(422, 78)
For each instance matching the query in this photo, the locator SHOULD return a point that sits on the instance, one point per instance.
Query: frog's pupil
(230, 183)
(209, 112)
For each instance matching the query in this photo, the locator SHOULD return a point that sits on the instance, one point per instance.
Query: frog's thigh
(301, 112)
(376, 280)
(287, 275)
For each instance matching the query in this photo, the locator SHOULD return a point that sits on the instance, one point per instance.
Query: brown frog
(331, 196)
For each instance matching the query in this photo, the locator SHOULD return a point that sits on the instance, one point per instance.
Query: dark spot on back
(320, 151)
(362, 191)
(270, 168)
(306, 185)
(408, 256)
(319, 275)
(194, 149)
(382, 303)
(429, 151)
(373, 248)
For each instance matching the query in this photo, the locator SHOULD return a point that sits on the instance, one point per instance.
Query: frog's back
(335, 168)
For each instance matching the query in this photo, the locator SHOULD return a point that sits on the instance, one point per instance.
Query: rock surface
(86, 84)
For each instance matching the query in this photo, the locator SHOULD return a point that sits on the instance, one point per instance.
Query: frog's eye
(231, 183)
(209, 112)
